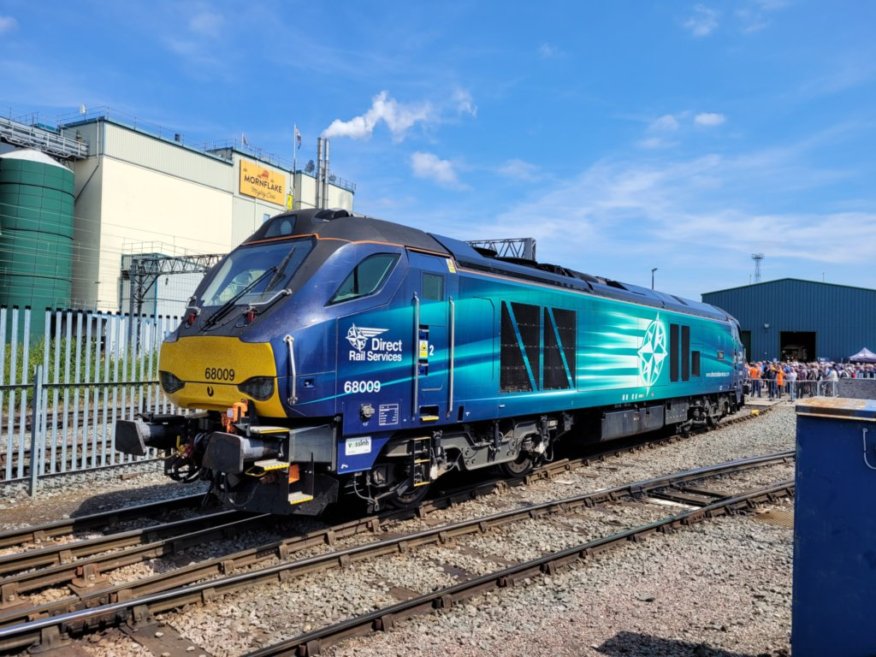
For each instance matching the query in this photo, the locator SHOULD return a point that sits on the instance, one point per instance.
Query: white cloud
(666, 131)
(7, 24)
(658, 131)
(653, 143)
(709, 119)
(463, 102)
(398, 117)
(519, 169)
(754, 17)
(431, 167)
(194, 41)
(206, 23)
(665, 123)
(703, 21)
(548, 51)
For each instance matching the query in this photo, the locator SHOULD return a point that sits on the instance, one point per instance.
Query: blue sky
(622, 135)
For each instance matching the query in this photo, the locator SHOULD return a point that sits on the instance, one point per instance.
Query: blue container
(834, 597)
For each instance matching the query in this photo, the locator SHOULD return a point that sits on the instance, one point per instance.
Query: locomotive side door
(434, 290)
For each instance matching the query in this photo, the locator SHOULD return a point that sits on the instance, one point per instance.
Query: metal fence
(860, 388)
(61, 393)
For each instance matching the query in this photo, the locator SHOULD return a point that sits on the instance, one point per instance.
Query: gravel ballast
(719, 588)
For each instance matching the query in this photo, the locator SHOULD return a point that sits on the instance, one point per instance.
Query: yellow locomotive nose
(213, 373)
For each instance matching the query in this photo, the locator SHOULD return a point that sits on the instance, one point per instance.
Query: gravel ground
(721, 588)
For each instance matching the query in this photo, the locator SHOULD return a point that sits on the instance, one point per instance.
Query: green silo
(36, 233)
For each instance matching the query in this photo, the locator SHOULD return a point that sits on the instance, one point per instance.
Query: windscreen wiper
(280, 269)
(228, 305)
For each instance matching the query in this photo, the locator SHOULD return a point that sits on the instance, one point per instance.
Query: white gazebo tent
(863, 356)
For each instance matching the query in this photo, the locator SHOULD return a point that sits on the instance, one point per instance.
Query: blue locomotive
(333, 355)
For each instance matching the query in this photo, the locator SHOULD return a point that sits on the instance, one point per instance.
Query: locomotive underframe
(292, 469)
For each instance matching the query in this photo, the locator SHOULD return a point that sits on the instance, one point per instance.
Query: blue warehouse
(801, 320)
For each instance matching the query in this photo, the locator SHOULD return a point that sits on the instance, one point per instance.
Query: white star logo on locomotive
(358, 336)
(652, 353)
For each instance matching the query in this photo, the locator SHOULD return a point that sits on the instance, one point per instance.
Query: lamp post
(653, 269)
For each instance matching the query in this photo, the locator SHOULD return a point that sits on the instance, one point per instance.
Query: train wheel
(409, 499)
(520, 467)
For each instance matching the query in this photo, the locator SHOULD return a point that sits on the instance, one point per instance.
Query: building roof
(787, 280)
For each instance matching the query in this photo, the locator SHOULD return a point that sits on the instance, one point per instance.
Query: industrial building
(86, 203)
(803, 320)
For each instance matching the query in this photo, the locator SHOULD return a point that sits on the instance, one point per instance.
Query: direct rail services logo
(368, 346)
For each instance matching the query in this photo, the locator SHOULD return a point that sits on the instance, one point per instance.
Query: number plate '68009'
(219, 374)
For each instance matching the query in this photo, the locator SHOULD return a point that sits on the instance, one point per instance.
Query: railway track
(19, 538)
(83, 564)
(385, 618)
(101, 605)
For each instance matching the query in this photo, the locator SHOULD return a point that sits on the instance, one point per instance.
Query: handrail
(451, 355)
(293, 373)
(416, 354)
(33, 136)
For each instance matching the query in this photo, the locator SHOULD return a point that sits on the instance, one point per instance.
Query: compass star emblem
(653, 352)
(358, 336)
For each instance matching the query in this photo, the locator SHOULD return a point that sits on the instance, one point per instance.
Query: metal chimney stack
(319, 165)
(322, 172)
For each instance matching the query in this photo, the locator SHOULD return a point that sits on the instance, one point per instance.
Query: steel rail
(384, 619)
(15, 634)
(67, 526)
(87, 573)
(66, 552)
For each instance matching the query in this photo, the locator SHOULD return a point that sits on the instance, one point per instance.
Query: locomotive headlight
(169, 382)
(258, 387)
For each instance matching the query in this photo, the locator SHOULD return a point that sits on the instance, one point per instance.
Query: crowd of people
(793, 378)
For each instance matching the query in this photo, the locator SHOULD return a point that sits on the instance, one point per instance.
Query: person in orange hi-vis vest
(754, 373)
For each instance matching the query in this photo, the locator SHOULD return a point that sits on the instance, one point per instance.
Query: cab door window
(366, 278)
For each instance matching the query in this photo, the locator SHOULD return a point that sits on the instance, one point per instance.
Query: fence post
(35, 424)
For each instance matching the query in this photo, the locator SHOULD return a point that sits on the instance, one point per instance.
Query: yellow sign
(259, 182)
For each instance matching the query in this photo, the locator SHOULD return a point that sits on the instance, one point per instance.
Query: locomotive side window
(433, 286)
(366, 277)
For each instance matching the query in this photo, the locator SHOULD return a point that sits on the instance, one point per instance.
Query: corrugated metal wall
(843, 318)
(166, 157)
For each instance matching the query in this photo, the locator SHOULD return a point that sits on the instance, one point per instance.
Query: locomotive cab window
(253, 273)
(366, 277)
